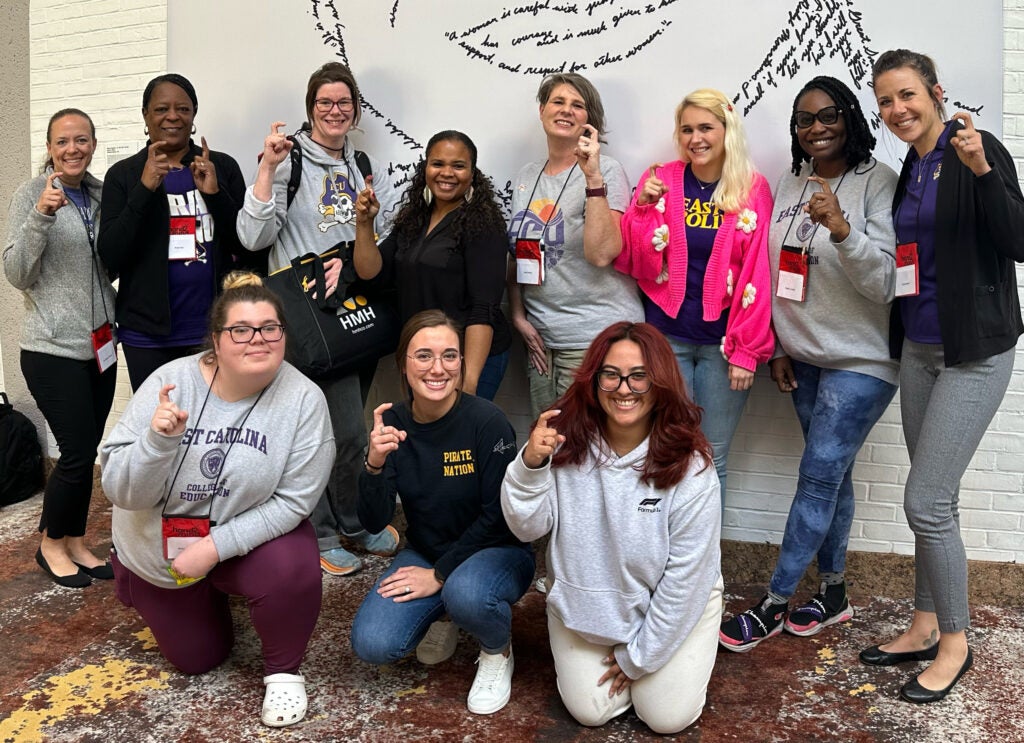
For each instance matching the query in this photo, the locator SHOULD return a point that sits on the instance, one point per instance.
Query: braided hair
(859, 139)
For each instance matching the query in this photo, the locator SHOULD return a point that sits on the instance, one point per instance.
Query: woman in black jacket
(168, 230)
(959, 218)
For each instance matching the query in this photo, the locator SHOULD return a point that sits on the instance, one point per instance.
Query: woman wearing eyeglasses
(213, 470)
(445, 453)
(313, 218)
(696, 239)
(621, 476)
(832, 249)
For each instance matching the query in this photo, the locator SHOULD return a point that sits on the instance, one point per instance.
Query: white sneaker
(492, 686)
(438, 644)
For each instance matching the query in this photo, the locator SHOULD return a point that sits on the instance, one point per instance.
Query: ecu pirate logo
(211, 463)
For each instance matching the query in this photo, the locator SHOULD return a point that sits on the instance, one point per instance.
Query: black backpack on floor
(21, 456)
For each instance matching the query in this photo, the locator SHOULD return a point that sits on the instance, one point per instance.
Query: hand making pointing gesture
(823, 208)
(52, 198)
(168, 418)
(544, 440)
(968, 145)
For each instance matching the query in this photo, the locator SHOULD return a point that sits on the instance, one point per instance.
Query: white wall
(98, 55)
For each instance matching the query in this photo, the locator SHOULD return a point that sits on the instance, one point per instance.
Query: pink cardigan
(738, 272)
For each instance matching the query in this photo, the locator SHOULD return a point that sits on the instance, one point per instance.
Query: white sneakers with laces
(492, 686)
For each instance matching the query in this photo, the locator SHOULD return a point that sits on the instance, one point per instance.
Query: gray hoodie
(632, 566)
(50, 260)
(323, 211)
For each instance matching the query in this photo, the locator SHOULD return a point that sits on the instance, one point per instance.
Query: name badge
(180, 532)
(792, 282)
(530, 262)
(907, 275)
(103, 347)
(181, 245)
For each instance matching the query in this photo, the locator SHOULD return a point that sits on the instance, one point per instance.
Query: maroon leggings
(192, 626)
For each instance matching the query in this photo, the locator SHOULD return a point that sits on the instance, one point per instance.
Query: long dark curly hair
(859, 139)
(479, 214)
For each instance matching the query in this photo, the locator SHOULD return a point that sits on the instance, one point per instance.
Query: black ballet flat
(875, 656)
(912, 691)
(100, 572)
(75, 580)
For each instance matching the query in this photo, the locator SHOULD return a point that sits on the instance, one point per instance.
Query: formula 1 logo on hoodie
(649, 505)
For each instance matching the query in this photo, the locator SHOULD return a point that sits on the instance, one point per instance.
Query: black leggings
(75, 399)
(144, 361)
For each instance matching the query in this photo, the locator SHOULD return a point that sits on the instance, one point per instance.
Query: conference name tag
(907, 275)
(792, 274)
(103, 346)
(181, 532)
(530, 262)
(181, 244)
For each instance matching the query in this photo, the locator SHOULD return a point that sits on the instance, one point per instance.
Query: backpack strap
(296, 175)
(363, 163)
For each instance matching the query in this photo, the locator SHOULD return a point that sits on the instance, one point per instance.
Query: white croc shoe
(284, 702)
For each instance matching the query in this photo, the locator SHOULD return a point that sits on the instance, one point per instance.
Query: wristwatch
(601, 191)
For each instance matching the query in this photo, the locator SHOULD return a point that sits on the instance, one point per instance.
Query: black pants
(75, 399)
(144, 361)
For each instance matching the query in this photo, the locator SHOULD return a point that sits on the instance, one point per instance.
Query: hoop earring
(428, 195)
(145, 130)
(469, 194)
(193, 128)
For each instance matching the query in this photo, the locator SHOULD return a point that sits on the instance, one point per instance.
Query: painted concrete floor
(78, 666)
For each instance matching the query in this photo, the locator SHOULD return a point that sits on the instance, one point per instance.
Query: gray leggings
(945, 413)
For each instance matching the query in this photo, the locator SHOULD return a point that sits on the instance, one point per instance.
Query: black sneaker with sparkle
(747, 630)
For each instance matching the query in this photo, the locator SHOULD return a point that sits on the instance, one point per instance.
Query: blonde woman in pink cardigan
(696, 239)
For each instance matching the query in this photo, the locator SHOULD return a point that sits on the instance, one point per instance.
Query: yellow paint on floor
(83, 691)
(414, 690)
(145, 636)
(826, 654)
(863, 689)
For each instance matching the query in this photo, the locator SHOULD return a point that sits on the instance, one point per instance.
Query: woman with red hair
(621, 476)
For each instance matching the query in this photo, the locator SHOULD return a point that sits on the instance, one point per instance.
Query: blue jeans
(477, 596)
(706, 373)
(837, 409)
(491, 375)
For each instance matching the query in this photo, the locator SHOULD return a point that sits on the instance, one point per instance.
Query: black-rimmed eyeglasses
(324, 105)
(610, 381)
(245, 333)
(827, 116)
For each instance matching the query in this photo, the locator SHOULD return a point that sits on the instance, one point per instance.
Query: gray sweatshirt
(272, 469)
(323, 211)
(50, 260)
(631, 566)
(844, 321)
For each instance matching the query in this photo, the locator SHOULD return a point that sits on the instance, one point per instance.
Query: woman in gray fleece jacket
(621, 476)
(67, 351)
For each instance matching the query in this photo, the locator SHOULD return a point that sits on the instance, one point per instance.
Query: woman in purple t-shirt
(168, 230)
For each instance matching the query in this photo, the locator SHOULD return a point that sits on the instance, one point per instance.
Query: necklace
(703, 186)
(330, 149)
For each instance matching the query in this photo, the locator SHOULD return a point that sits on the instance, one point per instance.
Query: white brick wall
(98, 55)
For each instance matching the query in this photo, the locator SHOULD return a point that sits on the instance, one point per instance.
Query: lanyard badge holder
(907, 270)
(530, 253)
(181, 242)
(102, 337)
(792, 282)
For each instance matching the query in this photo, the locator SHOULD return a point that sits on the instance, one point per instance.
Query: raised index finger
(543, 418)
(206, 149)
(378, 414)
(275, 126)
(50, 178)
(825, 188)
(964, 118)
(165, 393)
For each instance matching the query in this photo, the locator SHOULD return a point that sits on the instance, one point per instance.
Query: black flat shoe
(875, 656)
(100, 572)
(75, 580)
(912, 691)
